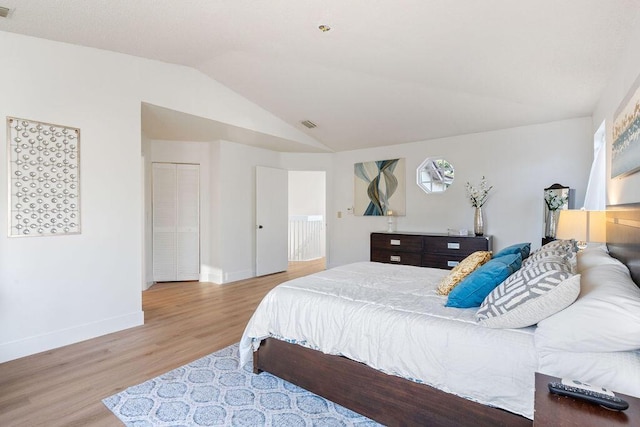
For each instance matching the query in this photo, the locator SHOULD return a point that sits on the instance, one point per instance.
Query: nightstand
(558, 411)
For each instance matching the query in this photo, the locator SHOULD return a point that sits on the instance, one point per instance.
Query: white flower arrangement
(478, 195)
(554, 201)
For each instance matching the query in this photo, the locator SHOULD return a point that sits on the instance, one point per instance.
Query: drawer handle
(452, 263)
(394, 258)
(395, 242)
(453, 245)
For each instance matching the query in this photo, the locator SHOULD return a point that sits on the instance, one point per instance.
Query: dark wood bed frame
(395, 401)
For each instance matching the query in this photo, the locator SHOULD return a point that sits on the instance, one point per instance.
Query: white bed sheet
(390, 317)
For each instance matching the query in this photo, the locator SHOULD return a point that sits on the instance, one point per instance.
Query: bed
(436, 385)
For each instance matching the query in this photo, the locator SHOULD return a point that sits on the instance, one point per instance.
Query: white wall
(237, 222)
(58, 290)
(63, 289)
(625, 189)
(307, 192)
(147, 219)
(518, 162)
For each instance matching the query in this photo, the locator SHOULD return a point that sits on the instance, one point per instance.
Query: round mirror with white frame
(435, 175)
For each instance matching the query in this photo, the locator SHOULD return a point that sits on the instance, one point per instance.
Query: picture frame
(625, 147)
(44, 178)
(380, 188)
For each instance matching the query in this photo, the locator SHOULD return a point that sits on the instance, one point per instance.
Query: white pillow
(530, 295)
(605, 317)
(541, 255)
(592, 257)
(558, 245)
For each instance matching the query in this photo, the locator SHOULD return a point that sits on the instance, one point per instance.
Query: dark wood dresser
(425, 250)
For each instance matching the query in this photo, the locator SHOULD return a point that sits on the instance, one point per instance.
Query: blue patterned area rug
(216, 391)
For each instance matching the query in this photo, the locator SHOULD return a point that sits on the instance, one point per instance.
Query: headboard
(623, 236)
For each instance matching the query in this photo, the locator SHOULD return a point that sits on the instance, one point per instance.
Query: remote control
(584, 391)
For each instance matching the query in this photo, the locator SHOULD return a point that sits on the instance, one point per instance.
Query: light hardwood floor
(183, 322)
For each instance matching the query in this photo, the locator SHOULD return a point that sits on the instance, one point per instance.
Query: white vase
(478, 222)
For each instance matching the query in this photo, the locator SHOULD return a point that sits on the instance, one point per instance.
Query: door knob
(260, 227)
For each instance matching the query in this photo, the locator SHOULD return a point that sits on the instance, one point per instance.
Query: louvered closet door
(165, 201)
(188, 222)
(176, 222)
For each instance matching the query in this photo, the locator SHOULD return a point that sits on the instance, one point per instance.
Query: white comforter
(390, 317)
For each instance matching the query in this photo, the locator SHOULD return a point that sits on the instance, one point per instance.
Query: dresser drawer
(455, 245)
(396, 257)
(396, 242)
(441, 260)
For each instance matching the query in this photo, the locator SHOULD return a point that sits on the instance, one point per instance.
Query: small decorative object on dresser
(478, 222)
(390, 224)
(425, 250)
(478, 197)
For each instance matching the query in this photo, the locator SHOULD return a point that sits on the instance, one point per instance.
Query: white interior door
(164, 201)
(176, 222)
(188, 222)
(271, 220)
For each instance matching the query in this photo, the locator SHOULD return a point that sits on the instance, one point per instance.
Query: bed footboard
(388, 399)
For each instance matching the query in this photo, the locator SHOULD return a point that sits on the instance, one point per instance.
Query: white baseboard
(219, 277)
(39, 343)
(211, 277)
(238, 275)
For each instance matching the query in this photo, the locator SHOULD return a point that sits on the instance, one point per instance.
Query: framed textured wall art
(625, 149)
(44, 178)
(380, 188)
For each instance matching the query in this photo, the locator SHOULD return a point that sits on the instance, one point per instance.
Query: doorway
(307, 216)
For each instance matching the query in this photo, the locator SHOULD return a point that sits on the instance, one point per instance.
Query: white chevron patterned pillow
(539, 256)
(531, 294)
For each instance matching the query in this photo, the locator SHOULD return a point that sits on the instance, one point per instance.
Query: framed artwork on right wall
(625, 149)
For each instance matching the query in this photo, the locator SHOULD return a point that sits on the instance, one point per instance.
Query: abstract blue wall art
(380, 188)
(625, 149)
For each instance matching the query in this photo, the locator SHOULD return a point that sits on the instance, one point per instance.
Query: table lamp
(582, 225)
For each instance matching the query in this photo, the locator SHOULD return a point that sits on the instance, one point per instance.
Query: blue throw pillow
(476, 286)
(519, 248)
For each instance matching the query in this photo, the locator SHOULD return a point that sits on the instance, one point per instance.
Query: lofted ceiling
(388, 71)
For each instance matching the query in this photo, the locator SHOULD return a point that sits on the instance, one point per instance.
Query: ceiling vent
(309, 124)
(4, 12)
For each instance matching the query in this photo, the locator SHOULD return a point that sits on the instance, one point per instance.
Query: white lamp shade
(597, 226)
(581, 225)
